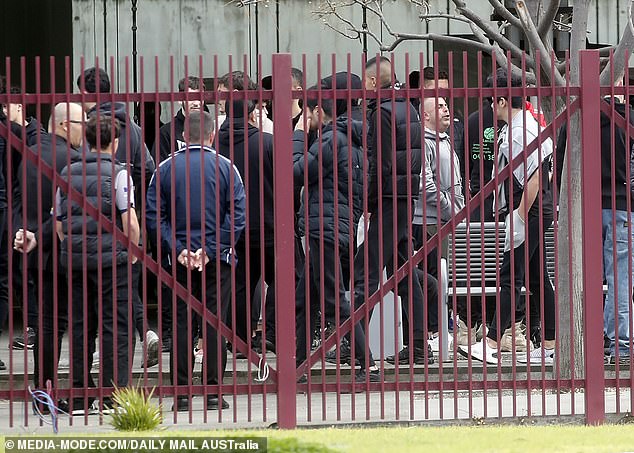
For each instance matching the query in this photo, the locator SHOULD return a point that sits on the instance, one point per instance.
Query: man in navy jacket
(193, 196)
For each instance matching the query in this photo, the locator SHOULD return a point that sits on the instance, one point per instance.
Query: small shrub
(134, 410)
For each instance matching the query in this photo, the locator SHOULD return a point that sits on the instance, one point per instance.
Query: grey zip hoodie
(441, 183)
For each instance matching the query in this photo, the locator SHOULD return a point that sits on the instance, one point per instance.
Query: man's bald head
(384, 77)
(436, 114)
(66, 122)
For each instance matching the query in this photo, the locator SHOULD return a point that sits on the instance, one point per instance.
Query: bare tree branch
(499, 8)
(536, 42)
(445, 16)
(461, 6)
(546, 21)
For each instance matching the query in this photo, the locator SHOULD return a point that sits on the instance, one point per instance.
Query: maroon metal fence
(359, 221)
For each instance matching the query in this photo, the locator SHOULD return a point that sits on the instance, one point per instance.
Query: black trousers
(247, 320)
(428, 277)
(538, 283)
(137, 303)
(217, 301)
(54, 323)
(325, 277)
(115, 306)
(391, 246)
(4, 269)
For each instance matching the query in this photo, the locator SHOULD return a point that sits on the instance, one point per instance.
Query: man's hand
(519, 233)
(202, 259)
(24, 241)
(188, 259)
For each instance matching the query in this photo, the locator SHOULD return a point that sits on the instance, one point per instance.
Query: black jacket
(624, 157)
(32, 130)
(51, 147)
(247, 146)
(340, 151)
(95, 181)
(169, 143)
(138, 157)
(405, 166)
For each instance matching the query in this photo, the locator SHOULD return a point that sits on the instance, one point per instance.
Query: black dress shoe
(182, 404)
(212, 403)
(2, 365)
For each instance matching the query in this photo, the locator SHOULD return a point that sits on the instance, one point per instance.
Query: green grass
(520, 439)
(135, 410)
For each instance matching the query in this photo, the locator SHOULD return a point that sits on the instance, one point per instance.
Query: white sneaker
(198, 355)
(95, 360)
(480, 352)
(536, 356)
(433, 343)
(152, 345)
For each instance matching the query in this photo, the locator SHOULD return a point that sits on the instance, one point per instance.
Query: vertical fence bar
(592, 249)
(284, 243)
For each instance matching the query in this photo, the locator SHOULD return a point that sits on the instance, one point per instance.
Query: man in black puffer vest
(132, 151)
(394, 157)
(332, 164)
(96, 261)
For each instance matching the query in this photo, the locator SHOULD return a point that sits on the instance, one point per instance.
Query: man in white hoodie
(440, 199)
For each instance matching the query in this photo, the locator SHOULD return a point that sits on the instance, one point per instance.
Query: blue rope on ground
(43, 398)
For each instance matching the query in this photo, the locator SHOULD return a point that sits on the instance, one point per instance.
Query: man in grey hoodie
(441, 195)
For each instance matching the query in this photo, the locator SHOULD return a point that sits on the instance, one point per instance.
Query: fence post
(592, 232)
(284, 243)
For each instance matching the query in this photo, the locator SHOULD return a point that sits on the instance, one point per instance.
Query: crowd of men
(372, 185)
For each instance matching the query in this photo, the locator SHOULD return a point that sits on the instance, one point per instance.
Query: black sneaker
(18, 342)
(344, 354)
(624, 360)
(2, 365)
(606, 345)
(419, 356)
(182, 404)
(166, 343)
(536, 336)
(373, 376)
(213, 402)
(257, 345)
(81, 407)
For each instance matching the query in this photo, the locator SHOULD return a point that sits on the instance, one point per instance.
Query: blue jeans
(620, 281)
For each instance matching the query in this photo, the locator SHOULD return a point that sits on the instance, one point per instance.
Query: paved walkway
(259, 411)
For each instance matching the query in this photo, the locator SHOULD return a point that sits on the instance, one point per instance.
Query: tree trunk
(570, 270)
(570, 264)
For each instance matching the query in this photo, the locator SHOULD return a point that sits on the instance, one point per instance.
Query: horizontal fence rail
(394, 243)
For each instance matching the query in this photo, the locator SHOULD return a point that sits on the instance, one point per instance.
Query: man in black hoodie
(394, 141)
(28, 129)
(617, 223)
(251, 151)
(171, 134)
(331, 165)
(132, 152)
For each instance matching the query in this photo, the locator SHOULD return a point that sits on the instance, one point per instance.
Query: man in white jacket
(440, 199)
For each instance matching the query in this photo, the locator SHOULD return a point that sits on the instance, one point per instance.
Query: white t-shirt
(524, 130)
